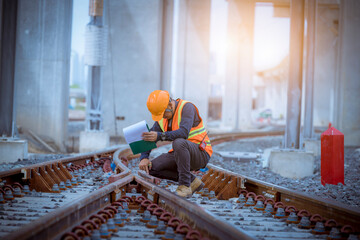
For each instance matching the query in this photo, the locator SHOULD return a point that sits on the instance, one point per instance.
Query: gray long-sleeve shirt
(189, 119)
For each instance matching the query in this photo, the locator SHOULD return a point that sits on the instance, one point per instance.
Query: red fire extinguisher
(332, 156)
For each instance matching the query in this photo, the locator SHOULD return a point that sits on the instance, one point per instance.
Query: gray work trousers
(177, 165)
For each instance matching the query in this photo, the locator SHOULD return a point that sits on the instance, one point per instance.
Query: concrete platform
(93, 141)
(313, 145)
(292, 163)
(11, 150)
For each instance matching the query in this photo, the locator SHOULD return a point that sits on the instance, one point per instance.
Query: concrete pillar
(8, 18)
(95, 52)
(166, 44)
(326, 65)
(310, 62)
(289, 162)
(347, 110)
(293, 113)
(133, 68)
(42, 67)
(310, 143)
(237, 101)
(191, 70)
(11, 148)
(94, 138)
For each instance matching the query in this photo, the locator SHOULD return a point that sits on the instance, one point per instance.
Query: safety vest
(196, 134)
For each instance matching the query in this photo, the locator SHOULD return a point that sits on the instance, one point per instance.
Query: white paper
(133, 133)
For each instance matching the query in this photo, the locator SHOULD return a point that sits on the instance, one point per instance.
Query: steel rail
(121, 169)
(327, 208)
(77, 158)
(210, 224)
(225, 137)
(192, 213)
(53, 224)
(217, 138)
(58, 221)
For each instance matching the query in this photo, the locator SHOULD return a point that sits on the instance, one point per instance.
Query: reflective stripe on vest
(196, 134)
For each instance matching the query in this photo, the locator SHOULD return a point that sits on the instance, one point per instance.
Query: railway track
(129, 204)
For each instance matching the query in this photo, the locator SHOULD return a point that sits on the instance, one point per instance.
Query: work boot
(196, 185)
(183, 191)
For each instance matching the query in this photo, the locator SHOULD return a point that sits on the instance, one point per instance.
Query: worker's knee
(179, 144)
(155, 166)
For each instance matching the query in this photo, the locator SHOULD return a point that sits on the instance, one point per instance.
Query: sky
(80, 20)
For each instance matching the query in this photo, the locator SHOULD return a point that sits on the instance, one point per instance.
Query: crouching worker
(178, 121)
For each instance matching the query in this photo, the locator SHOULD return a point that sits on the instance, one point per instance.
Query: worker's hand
(150, 136)
(145, 164)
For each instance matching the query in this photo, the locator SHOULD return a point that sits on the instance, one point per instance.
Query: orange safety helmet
(157, 102)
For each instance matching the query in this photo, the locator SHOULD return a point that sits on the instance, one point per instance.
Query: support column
(310, 66)
(11, 147)
(134, 56)
(347, 110)
(94, 138)
(191, 72)
(289, 162)
(326, 63)
(293, 116)
(8, 16)
(166, 43)
(310, 144)
(42, 67)
(237, 101)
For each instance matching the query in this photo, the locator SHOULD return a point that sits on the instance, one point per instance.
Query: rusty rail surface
(220, 184)
(55, 224)
(79, 159)
(60, 220)
(327, 208)
(50, 177)
(194, 215)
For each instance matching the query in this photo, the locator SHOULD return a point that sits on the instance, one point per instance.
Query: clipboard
(133, 137)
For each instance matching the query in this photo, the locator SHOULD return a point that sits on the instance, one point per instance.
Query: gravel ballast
(348, 194)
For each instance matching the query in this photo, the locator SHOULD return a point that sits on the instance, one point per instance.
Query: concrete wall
(191, 70)
(42, 66)
(134, 58)
(348, 105)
